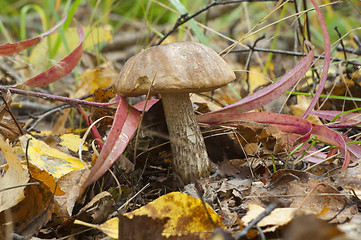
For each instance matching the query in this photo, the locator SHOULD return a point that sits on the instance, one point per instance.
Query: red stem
(58, 98)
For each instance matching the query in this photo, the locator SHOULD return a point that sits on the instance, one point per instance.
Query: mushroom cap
(174, 68)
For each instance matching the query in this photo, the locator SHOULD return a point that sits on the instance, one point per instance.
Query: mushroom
(175, 70)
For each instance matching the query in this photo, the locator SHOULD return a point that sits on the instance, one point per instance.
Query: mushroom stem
(190, 158)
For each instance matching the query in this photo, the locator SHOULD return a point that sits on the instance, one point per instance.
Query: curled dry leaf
(272, 139)
(98, 209)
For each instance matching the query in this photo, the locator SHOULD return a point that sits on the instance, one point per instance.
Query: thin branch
(298, 54)
(264, 214)
(57, 98)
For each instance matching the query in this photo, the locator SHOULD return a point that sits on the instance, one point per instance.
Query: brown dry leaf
(8, 127)
(102, 96)
(235, 186)
(33, 212)
(8, 99)
(15, 175)
(272, 139)
(352, 228)
(59, 128)
(324, 201)
(310, 227)
(47, 178)
(204, 104)
(98, 209)
(71, 184)
(349, 179)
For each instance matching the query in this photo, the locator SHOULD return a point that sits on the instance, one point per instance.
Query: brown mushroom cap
(176, 67)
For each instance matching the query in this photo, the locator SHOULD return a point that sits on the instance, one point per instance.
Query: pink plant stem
(58, 98)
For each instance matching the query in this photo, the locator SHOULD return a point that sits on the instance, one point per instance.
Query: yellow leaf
(15, 175)
(95, 78)
(300, 108)
(256, 78)
(186, 214)
(110, 227)
(49, 159)
(72, 142)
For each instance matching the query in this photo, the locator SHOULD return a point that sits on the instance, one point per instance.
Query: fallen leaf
(310, 227)
(50, 159)
(72, 141)
(70, 183)
(349, 179)
(98, 209)
(15, 175)
(186, 214)
(33, 212)
(110, 227)
(134, 228)
(296, 189)
(277, 218)
(49, 164)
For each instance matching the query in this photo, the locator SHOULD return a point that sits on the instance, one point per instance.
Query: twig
(249, 60)
(8, 109)
(47, 113)
(264, 214)
(57, 98)
(297, 54)
(8, 71)
(345, 56)
(351, 50)
(130, 199)
(261, 234)
(20, 185)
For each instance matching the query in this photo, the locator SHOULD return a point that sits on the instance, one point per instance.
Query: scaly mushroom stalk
(189, 154)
